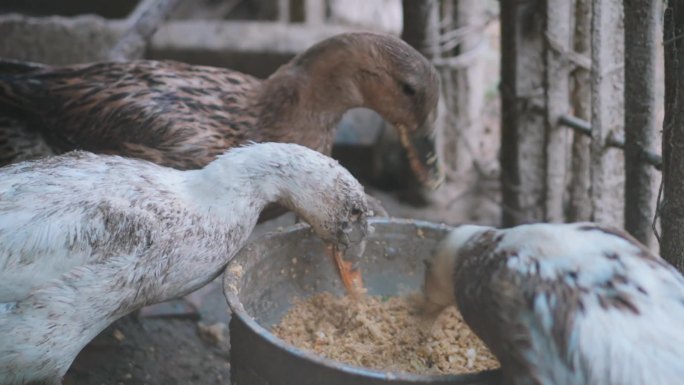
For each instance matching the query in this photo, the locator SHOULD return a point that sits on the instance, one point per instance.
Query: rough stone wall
(57, 40)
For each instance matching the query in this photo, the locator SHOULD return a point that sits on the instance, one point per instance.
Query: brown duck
(183, 116)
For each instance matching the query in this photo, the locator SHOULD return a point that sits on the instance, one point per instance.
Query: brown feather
(183, 116)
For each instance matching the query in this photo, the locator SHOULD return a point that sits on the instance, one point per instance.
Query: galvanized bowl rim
(232, 278)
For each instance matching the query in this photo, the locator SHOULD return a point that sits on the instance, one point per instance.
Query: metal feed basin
(268, 274)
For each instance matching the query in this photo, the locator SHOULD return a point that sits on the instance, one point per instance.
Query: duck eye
(408, 89)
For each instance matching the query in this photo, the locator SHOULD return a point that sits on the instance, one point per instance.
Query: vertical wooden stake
(672, 207)
(523, 112)
(580, 181)
(559, 16)
(640, 113)
(607, 89)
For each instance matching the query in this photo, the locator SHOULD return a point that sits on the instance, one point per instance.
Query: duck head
(403, 87)
(314, 186)
(334, 204)
(337, 209)
(385, 74)
(439, 285)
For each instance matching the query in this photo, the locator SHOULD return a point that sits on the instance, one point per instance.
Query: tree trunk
(640, 114)
(607, 115)
(580, 181)
(523, 112)
(672, 207)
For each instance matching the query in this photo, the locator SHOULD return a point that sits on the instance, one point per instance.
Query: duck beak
(347, 254)
(354, 244)
(434, 298)
(347, 264)
(422, 155)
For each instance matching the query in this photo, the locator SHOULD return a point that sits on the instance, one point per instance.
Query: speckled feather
(86, 239)
(183, 116)
(568, 304)
(169, 113)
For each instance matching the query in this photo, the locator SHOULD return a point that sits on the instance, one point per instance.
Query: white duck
(565, 304)
(86, 239)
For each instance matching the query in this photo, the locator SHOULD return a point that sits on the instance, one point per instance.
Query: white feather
(621, 308)
(608, 346)
(86, 239)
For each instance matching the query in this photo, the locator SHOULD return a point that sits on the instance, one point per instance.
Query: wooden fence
(566, 64)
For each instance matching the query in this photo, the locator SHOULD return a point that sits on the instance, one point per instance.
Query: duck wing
(170, 113)
(585, 305)
(56, 218)
(11, 66)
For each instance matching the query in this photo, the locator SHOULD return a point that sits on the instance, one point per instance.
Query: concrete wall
(57, 40)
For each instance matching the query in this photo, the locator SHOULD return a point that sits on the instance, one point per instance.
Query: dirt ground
(151, 351)
(140, 350)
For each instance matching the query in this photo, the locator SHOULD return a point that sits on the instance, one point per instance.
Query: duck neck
(239, 184)
(304, 103)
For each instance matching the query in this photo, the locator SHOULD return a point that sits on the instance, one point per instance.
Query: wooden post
(580, 180)
(419, 30)
(640, 114)
(523, 112)
(672, 207)
(456, 52)
(607, 85)
(559, 17)
(461, 68)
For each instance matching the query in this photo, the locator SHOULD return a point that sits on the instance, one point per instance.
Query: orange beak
(351, 277)
(422, 156)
